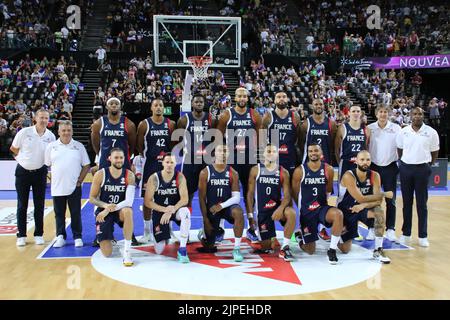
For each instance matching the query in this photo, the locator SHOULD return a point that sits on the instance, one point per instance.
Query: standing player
(286, 124)
(167, 196)
(112, 191)
(113, 131)
(360, 200)
(320, 129)
(351, 138)
(241, 126)
(312, 183)
(219, 197)
(153, 142)
(195, 123)
(266, 183)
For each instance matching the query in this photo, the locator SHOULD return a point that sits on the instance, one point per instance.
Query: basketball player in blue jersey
(360, 200)
(266, 185)
(285, 125)
(320, 129)
(311, 184)
(113, 131)
(241, 126)
(153, 142)
(167, 195)
(351, 138)
(219, 197)
(112, 191)
(196, 124)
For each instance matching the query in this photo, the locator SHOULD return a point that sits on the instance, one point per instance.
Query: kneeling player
(167, 196)
(265, 184)
(219, 198)
(112, 191)
(312, 182)
(360, 200)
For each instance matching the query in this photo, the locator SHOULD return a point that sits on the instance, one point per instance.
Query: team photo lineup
(281, 143)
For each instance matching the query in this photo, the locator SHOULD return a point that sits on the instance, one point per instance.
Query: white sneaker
(146, 238)
(404, 240)
(390, 235)
(423, 242)
(127, 260)
(39, 240)
(60, 242)
(78, 243)
(21, 242)
(378, 254)
(371, 234)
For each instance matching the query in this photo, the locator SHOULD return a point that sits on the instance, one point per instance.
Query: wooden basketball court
(421, 273)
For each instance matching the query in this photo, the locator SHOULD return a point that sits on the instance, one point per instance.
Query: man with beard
(311, 185)
(153, 142)
(112, 191)
(113, 131)
(284, 125)
(360, 200)
(268, 181)
(418, 148)
(241, 126)
(320, 129)
(195, 124)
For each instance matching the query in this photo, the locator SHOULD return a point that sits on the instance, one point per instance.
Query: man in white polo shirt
(383, 150)
(70, 164)
(28, 149)
(418, 148)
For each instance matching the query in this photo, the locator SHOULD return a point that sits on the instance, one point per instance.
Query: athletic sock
(286, 242)
(183, 242)
(237, 243)
(127, 245)
(378, 242)
(222, 223)
(147, 226)
(334, 242)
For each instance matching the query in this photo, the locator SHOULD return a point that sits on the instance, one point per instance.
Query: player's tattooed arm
(222, 123)
(182, 122)
(95, 193)
(142, 128)
(184, 195)
(131, 135)
(296, 180)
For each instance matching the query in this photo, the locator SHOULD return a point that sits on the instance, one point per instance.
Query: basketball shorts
(350, 230)
(214, 219)
(150, 167)
(310, 220)
(162, 231)
(192, 173)
(105, 230)
(265, 224)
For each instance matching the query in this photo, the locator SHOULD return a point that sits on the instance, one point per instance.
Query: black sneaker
(299, 237)
(332, 258)
(134, 242)
(262, 251)
(95, 243)
(220, 235)
(286, 254)
(207, 249)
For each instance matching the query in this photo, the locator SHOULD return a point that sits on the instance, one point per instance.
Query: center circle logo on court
(259, 275)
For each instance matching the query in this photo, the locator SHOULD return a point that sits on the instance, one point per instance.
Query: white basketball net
(200, 66)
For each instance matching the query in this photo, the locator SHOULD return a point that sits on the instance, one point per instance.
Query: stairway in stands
(95, 26)
(82, 111)
(232, 82)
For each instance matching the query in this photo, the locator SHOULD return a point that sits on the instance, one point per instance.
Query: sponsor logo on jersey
(271, 204)
(313, 206)
(283, 149)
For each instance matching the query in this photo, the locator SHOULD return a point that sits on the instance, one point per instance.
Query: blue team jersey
(113, 136)
(219, 186)
(194, 132)
(113, 189)
(268, 188)
(244, 143)
(353, 141)
(345, 200)
(156, 140)
(167, 193)
(287, 135)
(320, 134)
(313, 189)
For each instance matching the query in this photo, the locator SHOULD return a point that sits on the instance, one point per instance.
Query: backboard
(175, 38)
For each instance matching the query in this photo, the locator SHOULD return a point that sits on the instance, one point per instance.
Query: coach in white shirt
(70, 164)
(383, 151)
(28, 148)
(418, 148)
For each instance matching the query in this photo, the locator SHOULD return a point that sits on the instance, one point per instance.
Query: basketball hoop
(200, 65)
